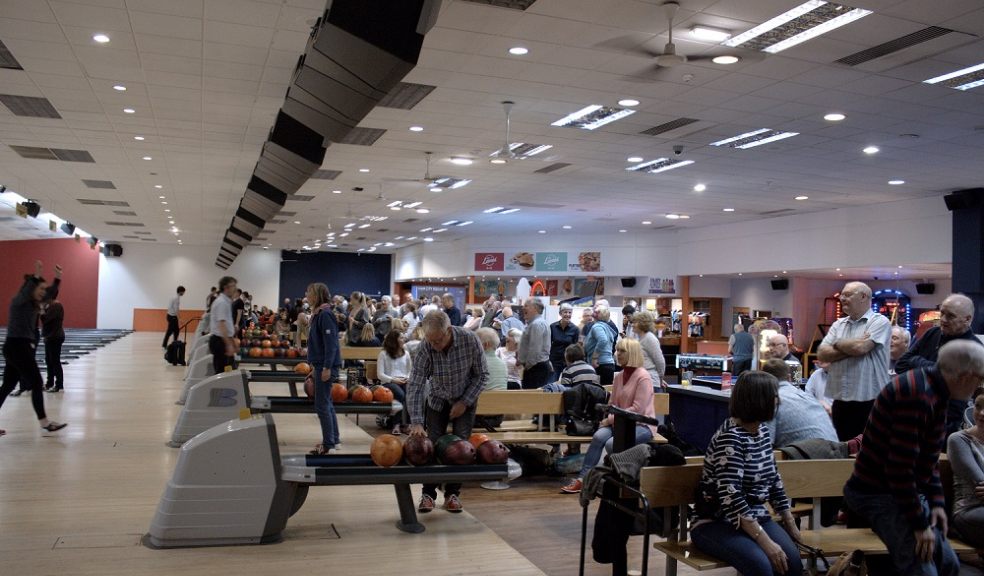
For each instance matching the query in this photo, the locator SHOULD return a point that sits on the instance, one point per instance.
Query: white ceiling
(206, 78)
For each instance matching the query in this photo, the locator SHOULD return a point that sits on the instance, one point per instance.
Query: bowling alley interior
(483, 287)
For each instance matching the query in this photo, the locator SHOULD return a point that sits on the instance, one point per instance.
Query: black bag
(673, 439)
(581, 417)
(175, 353)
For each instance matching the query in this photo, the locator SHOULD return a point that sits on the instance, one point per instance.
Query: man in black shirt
(563, 333)
(53, 332)
(238, 309)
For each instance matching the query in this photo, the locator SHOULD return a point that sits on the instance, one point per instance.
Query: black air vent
(278, 221)
(36, 153)
(128, 237)
(128, 224)
(149, 239)
(406, 95)
(901, 43)
(776, 212)
(409, 220)
(142, 233)
(7, 59)
(73, 155)
(362, 136)
(91, 202)
(30, 106)
(511, 4)
(671, 125)
(124, 212)
(106, 184)
(326, 174)
(552, 167)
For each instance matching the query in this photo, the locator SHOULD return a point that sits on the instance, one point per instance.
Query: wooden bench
(360, 352)
(675, 486)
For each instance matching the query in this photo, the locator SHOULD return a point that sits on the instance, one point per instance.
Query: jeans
(536, 376)
(216, 345)
(325, 409)
(436, 422)
(893, 528)
(603, 439)
(52, 362)
(721, 540)
(172, 328)
(22, 367)
(399, 395)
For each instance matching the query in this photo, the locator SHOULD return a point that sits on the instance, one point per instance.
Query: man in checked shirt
(451, 358)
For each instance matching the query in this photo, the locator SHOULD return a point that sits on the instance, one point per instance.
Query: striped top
(577, 373)
(739, 477)
(900, 450)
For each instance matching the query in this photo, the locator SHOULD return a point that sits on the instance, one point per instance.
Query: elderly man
(779, 349)
(857, 348)
(896, 481)
(507, 321)
(741, 346)
(563, 333)
(534, 346)
(452, 361)
(897, 346)
(799, 415)
(956, 314)
(382, 319)
(451, 309)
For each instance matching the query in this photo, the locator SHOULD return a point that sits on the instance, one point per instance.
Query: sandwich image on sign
(524, 259)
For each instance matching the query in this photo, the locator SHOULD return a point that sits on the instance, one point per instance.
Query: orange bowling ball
(255, 352)
(386, 450)
(309, 386)
(339, 393)
(361, 395)
(302, 368)
(477, 439)
(382, 394)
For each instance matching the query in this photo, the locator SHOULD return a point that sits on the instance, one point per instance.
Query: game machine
(894, 305)
(828, 315)
(926, 320)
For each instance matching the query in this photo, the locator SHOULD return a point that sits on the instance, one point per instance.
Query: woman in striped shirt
(740, 476)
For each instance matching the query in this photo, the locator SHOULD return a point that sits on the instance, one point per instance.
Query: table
(698, 411)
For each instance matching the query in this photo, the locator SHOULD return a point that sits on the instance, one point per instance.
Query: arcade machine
(894, 305)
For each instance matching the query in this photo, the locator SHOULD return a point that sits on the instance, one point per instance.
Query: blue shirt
(323, 347)
(799, 416)
(600, 341)
(743, 347)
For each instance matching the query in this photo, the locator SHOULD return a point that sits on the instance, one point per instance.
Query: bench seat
(548, 438)
(688, 554)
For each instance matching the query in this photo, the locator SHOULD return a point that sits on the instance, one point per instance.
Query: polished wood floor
(78, 501)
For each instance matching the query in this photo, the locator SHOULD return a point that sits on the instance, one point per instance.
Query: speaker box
(33, 208)
(628, 282)
(112, 250)
(68, 228)
(925, 288)
(962, 199)
(781, 284)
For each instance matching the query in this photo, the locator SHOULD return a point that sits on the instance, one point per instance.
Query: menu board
(539, 262)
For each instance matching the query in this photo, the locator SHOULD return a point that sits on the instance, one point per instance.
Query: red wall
(80, 279)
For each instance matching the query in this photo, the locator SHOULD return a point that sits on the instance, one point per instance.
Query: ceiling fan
(427, 178)
(505, 154)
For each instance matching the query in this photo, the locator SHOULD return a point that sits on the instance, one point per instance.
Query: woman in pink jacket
(632, 390)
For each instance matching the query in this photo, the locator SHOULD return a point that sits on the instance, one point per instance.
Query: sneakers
(397, 431)
(453, 504)
(54, 426)
(573, 487)
(53, 390)
(17, 392)
(426, 504)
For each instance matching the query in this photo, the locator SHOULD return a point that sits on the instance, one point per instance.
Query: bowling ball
(292, 353)
(382, 394)
(302, 368)
(419, 450)
(237, 343)
(386, 450)
(493, 452)
(361, 395)
(443, 442)
(278, 352)
(309, 386)
(459, 452)
(339, 393)
(268, 352)
(477, 439)
(266, 344)
(255, 352)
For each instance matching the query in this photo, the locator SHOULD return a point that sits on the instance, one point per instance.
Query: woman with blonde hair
(652, 355)
(359, 317)
(507, 353)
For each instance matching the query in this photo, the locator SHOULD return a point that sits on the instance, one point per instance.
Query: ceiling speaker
(781, 284)
(628, 282)
(925, 288)
(963, 199)
(33, 208)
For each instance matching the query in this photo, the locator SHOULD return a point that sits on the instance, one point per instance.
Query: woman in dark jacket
(53, 332)
(325, 359)
(22, 340)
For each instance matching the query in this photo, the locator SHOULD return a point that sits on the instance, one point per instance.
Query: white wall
(146, 276)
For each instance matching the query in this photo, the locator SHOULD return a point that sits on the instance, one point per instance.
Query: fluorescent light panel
(592, 117)
(802, 23)
(510, 211)
(963, 79)
(659, 165)
(754, 138)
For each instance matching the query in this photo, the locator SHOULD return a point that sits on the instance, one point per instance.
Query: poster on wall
(587, 262)
(662, 285)
(489, 261)
(552, 287)
(521, 261)
(551, 261)
(579, 285)
(486, 288)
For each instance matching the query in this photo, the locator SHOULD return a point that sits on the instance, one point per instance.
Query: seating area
(78, 343)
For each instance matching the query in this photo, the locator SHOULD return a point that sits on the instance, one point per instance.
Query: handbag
(577, 426)
(847, 564)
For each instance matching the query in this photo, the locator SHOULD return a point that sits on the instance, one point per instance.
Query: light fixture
(834, 117)
(700, 187)
(541, 231)
(837, 269)
(336, 191)
(167, 210)
(684, 217)
(870, 150)
(423, 211)
(129, 111)
(158, 186)
(566, 226)
(709, 34)
(161, 197)
(900, 267)
(416, 128)
(165, 203)
(623, 231)
(412, 204)
(343, 234)
(672, 216)
(364, 226)
(727, 209)
(297, 221)
(963, 79)
(628, 102)
(510, 211)
(396, 203)
(659, 165)
(363, 170)
(896, 182)
(412, 238)
(754, 138)
(428, 229)
(388, 244)
(101, 38)
(634, 159)
(726, 59)
(519, 51)
(493, 210)
(465, 223)
(461, 161)
(497, 161)
(119, 88)
(147, 158)
(449, 223)
(139, 138)
(592, 117)
(802, 198)
(646, 222)
(428, 239)
(802, 23)
(439, 230)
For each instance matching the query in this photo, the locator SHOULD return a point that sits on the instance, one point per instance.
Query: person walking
(325, 358)
(22, 341)
(53, 332)
(222, 328)
(173, 308)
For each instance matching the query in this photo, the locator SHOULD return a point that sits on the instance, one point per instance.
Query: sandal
(320, 450)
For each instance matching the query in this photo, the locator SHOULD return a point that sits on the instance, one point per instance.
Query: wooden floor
(78, 501)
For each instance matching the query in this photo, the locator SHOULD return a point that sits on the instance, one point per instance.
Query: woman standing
(22, 340)
(632, 391)
(652, 355)
(966, 452)
(507, 353)
(410, 318)
(739, 477)
(393, 369)
(359, 316)
(325, 359)
(599, 344)
(53, 332)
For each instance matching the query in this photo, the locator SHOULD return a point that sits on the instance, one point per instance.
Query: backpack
(581, 417)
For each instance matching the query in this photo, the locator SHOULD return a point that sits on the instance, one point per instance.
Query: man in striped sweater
(896, 481)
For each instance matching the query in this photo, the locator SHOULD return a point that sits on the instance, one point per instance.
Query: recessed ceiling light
(710, 34)
(388, 244)
(628, 102)
(158, 186)
(802, 23)
(802, 198)
(139, 138)
(449, 223)
(416, 128)
(837, 269)
(591, 117)
(437, 189)
(541, 231)
(147, 158)
(165, 203)
(870, 149)
(623, 231)
(161, 197)
(428, 229)
(423, 211)
(395, 208)
(896, 182)
(900, 267)
(493, 210)
(741, 274)
(101, 38)
(167, 209)
(336, 191)
(461, 161)
(684, 217)
(700, 187)
(465, 223)
(673, 216)
(566, 226)
(363, 170)
(963, 79)
(297, 221)
(343, 234)
(364, 226)
(119, 88)
(129, 111)
(439, 230)
(646, 222)
(411, 238)
(428, 239)
(726, 59)
(519, 51)
(834, 117)
(783, 271)
(727, 209)
(634, 159)
(497, 161)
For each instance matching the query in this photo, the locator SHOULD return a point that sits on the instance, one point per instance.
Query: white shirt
(817, 386)
(389, 368)
(410, 319)
(859, 378)
(221, 311)
(174, 306)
